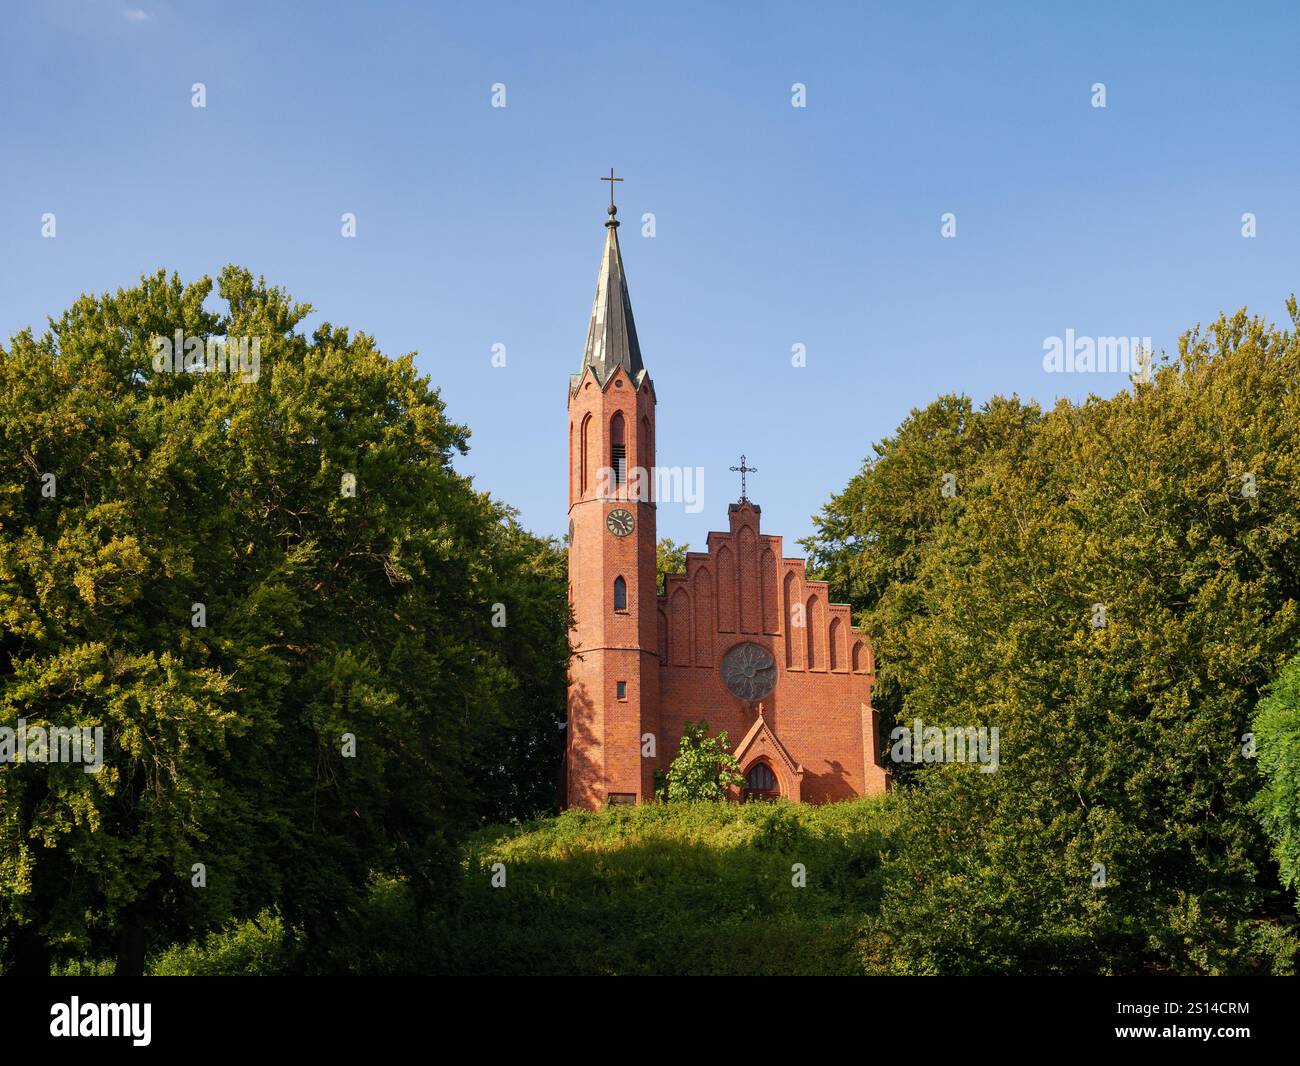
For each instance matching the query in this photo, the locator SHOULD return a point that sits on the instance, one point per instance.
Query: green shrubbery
(708, 888)
(1276, 727)
(704, 768)
(250, 949)
(702, 888)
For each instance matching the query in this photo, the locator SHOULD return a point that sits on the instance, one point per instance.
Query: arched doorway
(760, 784)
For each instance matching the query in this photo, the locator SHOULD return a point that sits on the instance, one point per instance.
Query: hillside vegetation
(1111, 587)
(704, 888)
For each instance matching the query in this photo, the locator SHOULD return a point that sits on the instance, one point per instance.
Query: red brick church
(743, 639)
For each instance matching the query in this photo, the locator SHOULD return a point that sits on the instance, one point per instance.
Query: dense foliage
(1277, 739)
(303, 680)
(690, 888)
(704, 767)
(700, 888)
(1111, 585)
(872, 538)
(670, 558)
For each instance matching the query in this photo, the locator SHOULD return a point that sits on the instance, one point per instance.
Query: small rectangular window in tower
(620, 689)
(622, 799)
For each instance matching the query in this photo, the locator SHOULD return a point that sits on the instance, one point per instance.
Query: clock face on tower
(620, 522)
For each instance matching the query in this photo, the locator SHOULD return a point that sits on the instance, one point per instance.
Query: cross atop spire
(743, 470)
(611, 179)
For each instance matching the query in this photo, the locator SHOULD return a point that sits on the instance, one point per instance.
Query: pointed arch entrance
(762, 755)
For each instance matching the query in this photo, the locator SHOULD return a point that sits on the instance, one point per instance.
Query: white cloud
(135, 14)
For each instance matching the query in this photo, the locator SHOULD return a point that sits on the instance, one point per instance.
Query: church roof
(762, 735)
(611, 336)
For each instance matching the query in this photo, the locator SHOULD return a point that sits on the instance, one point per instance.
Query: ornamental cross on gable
(743, 470)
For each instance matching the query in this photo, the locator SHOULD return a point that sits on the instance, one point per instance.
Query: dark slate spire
(611, 337)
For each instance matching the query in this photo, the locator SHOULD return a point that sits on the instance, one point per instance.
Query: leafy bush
(1276, 728)
(250, 949)
(682, 888)
(704, 767)
(84, 968)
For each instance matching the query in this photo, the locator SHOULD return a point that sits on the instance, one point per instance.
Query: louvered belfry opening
(618, 450)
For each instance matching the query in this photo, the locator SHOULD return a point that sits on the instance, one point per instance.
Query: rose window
(749, 671)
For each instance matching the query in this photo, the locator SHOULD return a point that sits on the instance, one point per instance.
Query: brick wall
(667, 650)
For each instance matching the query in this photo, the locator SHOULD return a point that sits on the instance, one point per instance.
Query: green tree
(872, 538)
(704, 767)
(1276, 728)
(279, 601)
(1118, 582)
(515, 771)
(670, 559)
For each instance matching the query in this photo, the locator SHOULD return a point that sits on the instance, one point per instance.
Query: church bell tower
(614, 671)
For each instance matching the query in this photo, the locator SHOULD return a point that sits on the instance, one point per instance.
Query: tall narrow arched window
(620, 594)
(816, 634)
(760, 783)
(618, 449)
(585, 475)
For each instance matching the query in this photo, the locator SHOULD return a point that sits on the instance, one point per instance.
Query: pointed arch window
(760, 783)
(585, 443)
(620, 594)
(813, 619)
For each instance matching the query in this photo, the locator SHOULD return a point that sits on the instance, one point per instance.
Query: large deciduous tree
(280, 602)
(1111, 586)
(872, 538)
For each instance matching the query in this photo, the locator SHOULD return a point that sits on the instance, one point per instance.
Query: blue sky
(775, 225)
